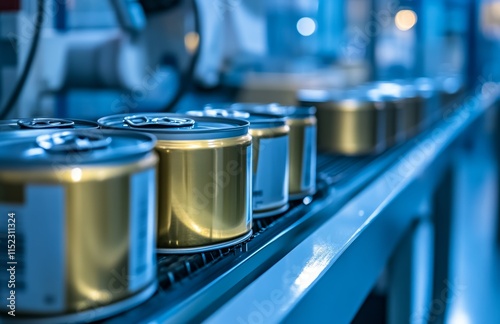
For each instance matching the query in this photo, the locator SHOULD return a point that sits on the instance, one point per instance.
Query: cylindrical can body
(412, 109)
(302, 158)
(302, 139)
(270, 144)
(450, 90)
(204, 181)
(84, 228)
(409, 106)
(351, 127)
(270, 169)
(391, 121)
(204, 192)
(353, 122)
(427, 90)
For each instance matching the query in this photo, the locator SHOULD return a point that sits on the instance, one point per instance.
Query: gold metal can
(393, 115)
(450, 90)
(270, 169)
(270, 144)
(415, 106)
(410, 108)
(83, 211)
(302, 154)
(350, 123)
(205, 182)
(392, 130)
(349, 128)
(427, 89)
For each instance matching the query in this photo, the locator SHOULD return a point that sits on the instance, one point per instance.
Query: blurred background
(100, 57)
(92, 58)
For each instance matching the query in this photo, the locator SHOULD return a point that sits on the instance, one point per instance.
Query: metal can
(427, 90)
(390, 126)
(302, 153)
(415, 105)
(205, 179)
(409, 106)
(270, 158)
(44, 124)
(81, 212)
(351, 122)
(451, 89)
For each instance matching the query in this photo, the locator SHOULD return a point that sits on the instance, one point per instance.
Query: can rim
(353, 99)
(286, 111)
(95, 314)
(349, 105)
(32, 155)
(234, 127)
(15, 122)
(209, 247)
(256, 120)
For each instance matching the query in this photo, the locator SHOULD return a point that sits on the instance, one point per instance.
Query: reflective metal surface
(280, 272)
(409, 105)
(351, 127)
(270, 144)
(369, 228)
(44, 123)
(172, 126)
(270, 169)
(98, 223)
(414, 115)
(302, 157)
(204, 180)
(302, 154)
(204, 191)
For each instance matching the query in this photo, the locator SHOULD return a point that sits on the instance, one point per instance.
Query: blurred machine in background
(98, 57)
(102, 57)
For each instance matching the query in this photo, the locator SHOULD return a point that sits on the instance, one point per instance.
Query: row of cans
(373, 117)
(94, 202)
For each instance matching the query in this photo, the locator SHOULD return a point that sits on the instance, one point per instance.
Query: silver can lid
(292, 112)
(398, 90)
(257, 120)
(314, 96)
(171, 126)
(356, 97)
(43, 123)
(73, 147)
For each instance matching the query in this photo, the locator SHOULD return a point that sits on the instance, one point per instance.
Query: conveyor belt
(181, 275)
(331, 169)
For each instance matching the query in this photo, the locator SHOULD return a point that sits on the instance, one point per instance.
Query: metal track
(175, 268)
(181, 275)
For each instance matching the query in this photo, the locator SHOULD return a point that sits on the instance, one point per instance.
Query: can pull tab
(158, 122)
(44, 123)
(72, 141)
